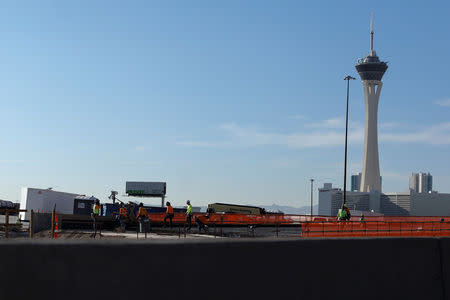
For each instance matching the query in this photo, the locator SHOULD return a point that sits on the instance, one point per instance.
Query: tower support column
(370, 179)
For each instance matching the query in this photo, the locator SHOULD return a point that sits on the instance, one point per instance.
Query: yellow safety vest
(96, 209)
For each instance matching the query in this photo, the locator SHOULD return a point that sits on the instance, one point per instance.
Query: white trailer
(44, 200)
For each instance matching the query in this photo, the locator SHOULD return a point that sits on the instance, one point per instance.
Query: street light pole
(312, 180)
(348, 78)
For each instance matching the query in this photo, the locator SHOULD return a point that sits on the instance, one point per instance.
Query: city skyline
(239, 103)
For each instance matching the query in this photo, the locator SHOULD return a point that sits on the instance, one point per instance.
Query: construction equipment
(235, 209)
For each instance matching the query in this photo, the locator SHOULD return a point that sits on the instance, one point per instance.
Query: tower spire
(371, 32)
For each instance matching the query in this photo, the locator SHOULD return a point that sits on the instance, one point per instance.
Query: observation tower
(371, 71)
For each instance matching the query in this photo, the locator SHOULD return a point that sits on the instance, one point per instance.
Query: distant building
(330, 200)
(326, 196)
(421, 182)
(396, 204)
(407, 203)
(356, 182)
(416, 204)
(430, 204)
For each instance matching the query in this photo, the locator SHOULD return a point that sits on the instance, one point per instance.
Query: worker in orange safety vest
(169, 214)
(143, 217)
(123, 215)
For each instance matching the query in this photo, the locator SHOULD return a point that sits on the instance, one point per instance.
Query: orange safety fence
(284, 219)
(235, 219)
(375, 228)
(326, 226)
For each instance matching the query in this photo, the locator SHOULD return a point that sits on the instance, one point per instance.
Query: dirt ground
(73, 234)
(111, 235)
(160, 233)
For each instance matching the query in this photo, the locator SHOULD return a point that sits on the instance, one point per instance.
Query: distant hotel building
(416, 204)
(421, 182)
(356, 182)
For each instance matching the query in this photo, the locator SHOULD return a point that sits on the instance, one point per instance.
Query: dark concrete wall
(391, 268)
(42, 221)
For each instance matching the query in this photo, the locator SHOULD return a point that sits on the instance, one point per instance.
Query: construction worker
(96, 208)
(362, 217)
(143, 217)
(200, 225)
(342, 213)
(189, 214)
(123, 214)
(169, 214)
(349, 215)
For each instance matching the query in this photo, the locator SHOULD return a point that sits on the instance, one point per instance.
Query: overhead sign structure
(145, 189)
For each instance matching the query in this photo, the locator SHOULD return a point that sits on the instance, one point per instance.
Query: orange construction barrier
(326, 226)
(235, 219)
(375, 228)
(55, 234)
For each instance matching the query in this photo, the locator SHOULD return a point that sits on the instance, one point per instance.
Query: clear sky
(230, 101)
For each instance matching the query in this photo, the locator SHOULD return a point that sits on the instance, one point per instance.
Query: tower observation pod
(371, 71)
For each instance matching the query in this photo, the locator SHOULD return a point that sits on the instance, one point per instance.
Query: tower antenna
(371, 32)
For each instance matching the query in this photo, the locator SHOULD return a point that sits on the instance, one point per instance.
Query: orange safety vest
(169, 210)
(123, 211)
(142, 212)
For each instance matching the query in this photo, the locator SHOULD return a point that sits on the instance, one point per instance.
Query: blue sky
(237, 101)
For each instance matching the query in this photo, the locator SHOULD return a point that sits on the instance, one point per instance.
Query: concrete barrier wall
(394, 268)
(445, 265)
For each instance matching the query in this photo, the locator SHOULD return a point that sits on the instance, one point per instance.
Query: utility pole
(312, 180)
(348, 78)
